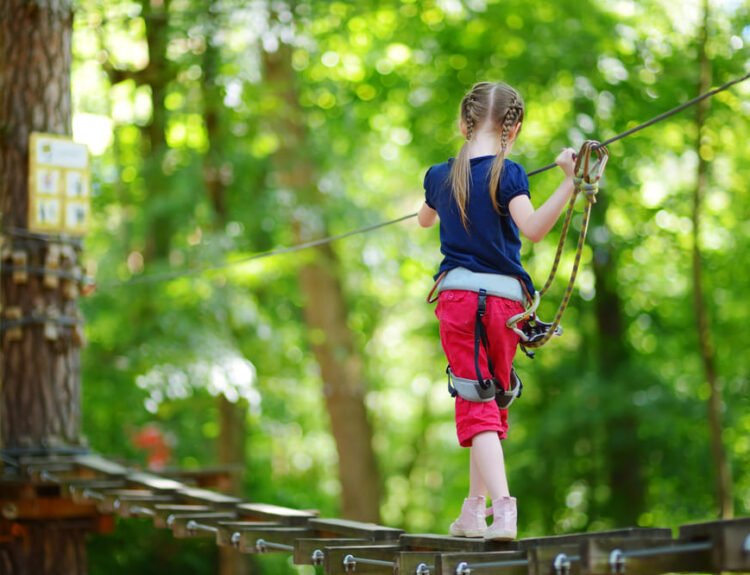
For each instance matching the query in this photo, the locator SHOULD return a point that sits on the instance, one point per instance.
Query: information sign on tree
(59, 196)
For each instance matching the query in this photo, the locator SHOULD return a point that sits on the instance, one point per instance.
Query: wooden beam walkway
(87, 485)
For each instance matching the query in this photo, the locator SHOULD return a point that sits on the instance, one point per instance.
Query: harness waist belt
(472, 390)
(496, 285)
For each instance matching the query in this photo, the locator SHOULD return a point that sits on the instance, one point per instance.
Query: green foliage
(379, 85)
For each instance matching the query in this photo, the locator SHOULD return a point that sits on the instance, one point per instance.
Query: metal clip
(317, 557)
(561, 564)
(616, 562)
(192, 527)
(170, 520)
(236, 536)
(584, 169)
(52, 263)
(422, 569)
(20, 261)
(463, 568)
(260, 546)
(350, 564)
(14, 333)
(50, 326)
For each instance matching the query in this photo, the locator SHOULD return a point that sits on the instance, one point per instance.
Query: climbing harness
(482, 389)
(535, 333)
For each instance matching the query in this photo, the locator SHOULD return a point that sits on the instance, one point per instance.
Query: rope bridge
(35, 488)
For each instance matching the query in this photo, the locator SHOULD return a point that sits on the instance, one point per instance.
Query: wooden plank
(45, 508)
(229, 531)
(100, 465)
(112, 499)
(207, 497)
(311, 550)
(79, 490)
(333, 563)
(543, 560)
(426, 541)
(162, 512)
(182, 523)
(278, 539)
(637, 532)
(415, 562)
(154, 482)
(355, 529)
(487, 562)
(127, 507)
(285, 515)
(642, 556)
(730, 540)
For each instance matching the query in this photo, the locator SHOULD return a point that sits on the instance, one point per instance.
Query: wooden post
(40, 401)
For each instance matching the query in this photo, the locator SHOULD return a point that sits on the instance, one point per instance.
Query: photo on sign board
(76, 215)
(75, 184)
(48, 212)
(47, 181)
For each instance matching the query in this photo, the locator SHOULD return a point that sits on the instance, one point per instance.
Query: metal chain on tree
(586, 181)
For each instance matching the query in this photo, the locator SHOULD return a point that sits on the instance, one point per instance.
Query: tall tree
(723, 480)
(325, 307)
(232, 416)
(40, 409)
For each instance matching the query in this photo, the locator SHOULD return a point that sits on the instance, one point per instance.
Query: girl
(482, 201)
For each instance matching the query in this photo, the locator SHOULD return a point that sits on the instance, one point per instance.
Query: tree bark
(40, 406)
(325, 308)
(41, 391)
(723, 478)
(159, 224)
(623, 452)
(156, 75)
(232, 416)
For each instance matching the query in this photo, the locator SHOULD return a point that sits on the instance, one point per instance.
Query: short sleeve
(429, 189)
(514, 183)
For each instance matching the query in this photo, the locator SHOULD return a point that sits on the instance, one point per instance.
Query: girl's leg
(477, 486)
(487, 460)
(488, 452)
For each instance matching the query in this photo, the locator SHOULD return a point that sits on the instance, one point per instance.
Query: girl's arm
(534, 224)
(427, 216)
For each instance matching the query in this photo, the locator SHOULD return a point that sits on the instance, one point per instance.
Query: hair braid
(469, 115)
(511, 117)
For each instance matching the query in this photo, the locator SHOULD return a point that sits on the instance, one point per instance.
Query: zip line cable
(157, 277)
(258, 256)
(658, 118)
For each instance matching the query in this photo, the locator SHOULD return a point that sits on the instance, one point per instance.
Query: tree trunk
(623, 453)
(325, 307)
(41, 393)
(156, 75)
(232, 416)
(723, 478)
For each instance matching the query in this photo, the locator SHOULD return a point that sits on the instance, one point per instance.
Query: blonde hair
(502, 107)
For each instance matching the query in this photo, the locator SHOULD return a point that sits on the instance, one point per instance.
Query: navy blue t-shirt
(492, 243)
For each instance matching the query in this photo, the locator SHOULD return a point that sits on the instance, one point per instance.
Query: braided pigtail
(460, 176)
(513, 115)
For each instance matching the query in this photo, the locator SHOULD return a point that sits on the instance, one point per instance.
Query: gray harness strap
(483, 390)
(471, 390)
(494, 284)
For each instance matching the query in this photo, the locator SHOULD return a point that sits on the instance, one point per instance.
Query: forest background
(222, 129)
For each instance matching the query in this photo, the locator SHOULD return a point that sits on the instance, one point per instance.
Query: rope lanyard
(586, 181)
